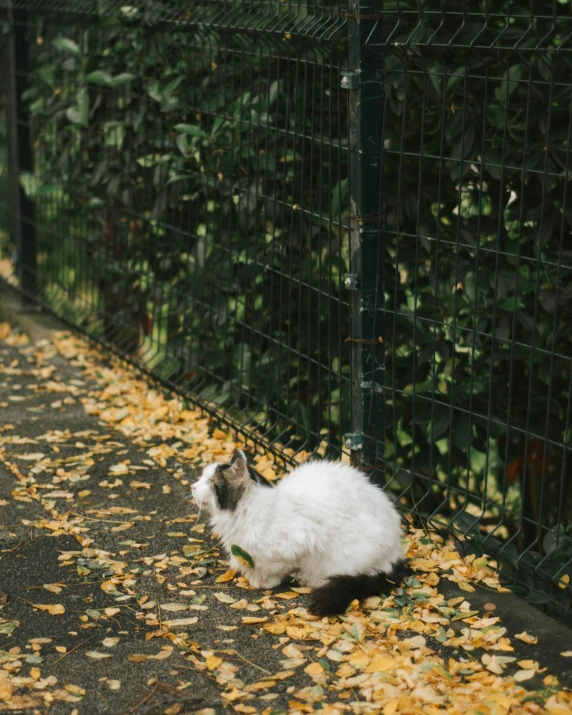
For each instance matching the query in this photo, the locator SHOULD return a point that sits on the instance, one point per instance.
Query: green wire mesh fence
(342, 229)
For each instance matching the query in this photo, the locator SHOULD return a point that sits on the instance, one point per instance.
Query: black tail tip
(339, 591)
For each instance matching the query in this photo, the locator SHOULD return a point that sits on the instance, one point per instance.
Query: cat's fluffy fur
(325, 525)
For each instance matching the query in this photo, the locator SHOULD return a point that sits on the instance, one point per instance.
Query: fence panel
(339, 228)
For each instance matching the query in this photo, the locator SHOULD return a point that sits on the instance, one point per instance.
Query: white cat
(325, 524)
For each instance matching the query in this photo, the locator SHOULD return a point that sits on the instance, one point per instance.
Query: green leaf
(63, 43)
(191, 130)
(80, 114)
(100, 77)
(508, 83)
(121, 79)
(241, 556)
(512, 303)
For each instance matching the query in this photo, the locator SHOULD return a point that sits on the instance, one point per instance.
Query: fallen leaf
(241, 556)
(250, 620)
(313, 669)
(287, 595)
(416, 641)
(110, 642)
(567, 653)
(528, 664)
(55, 609)
(173, 709)
(177, 622)
(111, 611)
(224, 598)
(227, 576)
(521, 675)
(108, 586)
(213, 662)
(173, 607)
(52, 587)
(114, 684)
(96, 655)
(526, 638)
(381, 664)
(122, 527)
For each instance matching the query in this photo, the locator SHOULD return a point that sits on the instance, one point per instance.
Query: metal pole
(364, 82)
(22, 160)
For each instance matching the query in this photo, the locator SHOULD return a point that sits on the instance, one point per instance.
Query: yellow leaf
(313, 669)
(564, 580)
(567, 654)
(181, 622)
(173, 607)
(96, 655)
(234, 694)
(122, 527)
(55, 609)
(213, 662)
(287, 595)
(108, 587)
(227, 576)
(276, 629)
(524, 675)
(526, 638)
(173, 709)
(380, 664)
(283, 675)
(528, 664)
(111, 611)
(53, 587)
(391, 707)
(249, 620)
(110, 642)
(465, 586)
(35, 673)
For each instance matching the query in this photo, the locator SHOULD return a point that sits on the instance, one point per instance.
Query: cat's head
(222, 486)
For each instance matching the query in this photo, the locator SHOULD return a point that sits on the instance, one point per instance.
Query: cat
(325, 525)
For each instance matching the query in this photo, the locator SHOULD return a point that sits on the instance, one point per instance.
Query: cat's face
(222, 486)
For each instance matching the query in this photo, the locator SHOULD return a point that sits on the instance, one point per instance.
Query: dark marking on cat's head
(230, 482)
(254, 475)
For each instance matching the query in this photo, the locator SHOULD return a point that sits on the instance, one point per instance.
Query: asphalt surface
(43, 513)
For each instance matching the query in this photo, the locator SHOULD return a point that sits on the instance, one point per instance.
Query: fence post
(364, 82)
(22, 159)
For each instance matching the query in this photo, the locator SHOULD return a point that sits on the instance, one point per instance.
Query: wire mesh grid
(195, 191)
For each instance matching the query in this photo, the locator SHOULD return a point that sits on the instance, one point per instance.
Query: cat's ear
(239, 454)
(237, 474)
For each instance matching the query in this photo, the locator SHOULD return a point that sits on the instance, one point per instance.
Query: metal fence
(341, 229)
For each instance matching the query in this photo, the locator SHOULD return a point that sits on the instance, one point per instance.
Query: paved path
(109, 599)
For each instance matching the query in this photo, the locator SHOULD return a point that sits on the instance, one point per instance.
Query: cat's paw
(289, 581)
(270, 582)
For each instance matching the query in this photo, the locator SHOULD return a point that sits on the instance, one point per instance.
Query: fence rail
(344, 229)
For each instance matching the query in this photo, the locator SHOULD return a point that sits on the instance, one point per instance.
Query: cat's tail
(339, 591)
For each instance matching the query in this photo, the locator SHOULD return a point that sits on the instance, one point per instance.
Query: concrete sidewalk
(114, 598)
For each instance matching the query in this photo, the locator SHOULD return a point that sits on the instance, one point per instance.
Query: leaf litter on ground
(412, 651)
